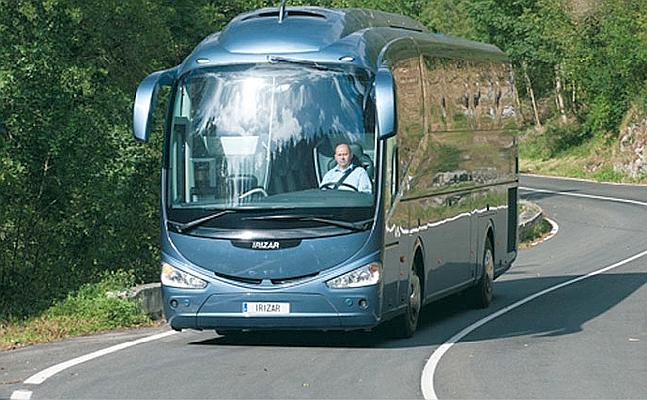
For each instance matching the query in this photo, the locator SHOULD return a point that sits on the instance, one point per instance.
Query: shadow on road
(561, 312)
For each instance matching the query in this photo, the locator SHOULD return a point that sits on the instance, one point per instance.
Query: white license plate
(264, 308)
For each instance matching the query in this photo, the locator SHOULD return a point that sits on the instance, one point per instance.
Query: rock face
(633, 148)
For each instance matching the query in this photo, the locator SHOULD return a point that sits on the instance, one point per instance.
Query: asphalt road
(585, 340)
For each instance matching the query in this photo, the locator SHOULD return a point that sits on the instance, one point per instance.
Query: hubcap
(414, 298)
(488, 264)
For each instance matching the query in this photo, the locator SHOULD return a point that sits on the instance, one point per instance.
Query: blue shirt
(358, 179)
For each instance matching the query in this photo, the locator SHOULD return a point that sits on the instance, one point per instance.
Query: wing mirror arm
(146, 99)
(385, 103)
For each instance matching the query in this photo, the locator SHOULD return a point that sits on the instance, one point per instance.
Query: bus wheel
(408, 323)
(482, 292)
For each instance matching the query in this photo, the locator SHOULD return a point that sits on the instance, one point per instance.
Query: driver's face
(343, 155)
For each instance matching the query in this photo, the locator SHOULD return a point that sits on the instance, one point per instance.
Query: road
(587, 339)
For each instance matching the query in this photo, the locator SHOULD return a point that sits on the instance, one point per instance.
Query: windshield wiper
(185, 226)
(356, 226)
(308, 63)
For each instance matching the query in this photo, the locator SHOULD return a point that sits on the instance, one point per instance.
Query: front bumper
(312, 306)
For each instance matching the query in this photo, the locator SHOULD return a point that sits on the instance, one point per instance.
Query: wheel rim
(414, 298)
(488, 273)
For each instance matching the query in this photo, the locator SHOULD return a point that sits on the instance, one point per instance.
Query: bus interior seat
(359, 158)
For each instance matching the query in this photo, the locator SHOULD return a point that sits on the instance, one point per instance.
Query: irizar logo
(266, 245)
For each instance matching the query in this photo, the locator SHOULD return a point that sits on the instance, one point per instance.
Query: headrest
(356, 149)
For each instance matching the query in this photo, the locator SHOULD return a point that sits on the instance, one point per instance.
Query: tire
(406, 324)
(482, 293)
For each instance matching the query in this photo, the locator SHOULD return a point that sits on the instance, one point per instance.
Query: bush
(564, 137)
(101, 305)
(93, 308)
(537, 231)
(555, 140)
(603, 117)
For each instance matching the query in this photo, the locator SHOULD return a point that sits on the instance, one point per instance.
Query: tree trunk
(531, 94)
(558, 94)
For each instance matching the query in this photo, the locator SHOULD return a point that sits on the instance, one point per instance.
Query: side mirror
(146, 99)
(385, 103)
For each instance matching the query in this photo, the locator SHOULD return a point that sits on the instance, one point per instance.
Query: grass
(538, 231)
(93, 308)
(592, 159)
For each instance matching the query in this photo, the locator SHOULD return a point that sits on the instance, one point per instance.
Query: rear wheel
(407, 324)
(482, 293)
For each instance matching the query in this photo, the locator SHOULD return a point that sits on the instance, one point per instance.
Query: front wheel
(482, 293)
(407, 324)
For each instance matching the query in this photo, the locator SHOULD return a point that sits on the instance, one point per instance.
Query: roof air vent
(291, 13)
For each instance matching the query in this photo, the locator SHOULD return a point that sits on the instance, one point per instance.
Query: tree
(79, 196)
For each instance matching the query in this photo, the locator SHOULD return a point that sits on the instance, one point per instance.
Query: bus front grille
(251, 281)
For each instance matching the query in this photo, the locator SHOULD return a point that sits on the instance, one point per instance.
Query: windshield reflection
(263, 136)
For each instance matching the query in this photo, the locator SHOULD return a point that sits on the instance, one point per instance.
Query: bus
(254, 233)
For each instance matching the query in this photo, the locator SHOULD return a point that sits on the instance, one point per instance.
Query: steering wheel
(253, 191)
(331, 185)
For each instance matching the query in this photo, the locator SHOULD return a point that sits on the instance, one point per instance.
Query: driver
(345, 175)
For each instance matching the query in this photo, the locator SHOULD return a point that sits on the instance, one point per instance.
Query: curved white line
(587, 196)
(427, 382)
(41, 376)
(553, 231)
(427, 378)
(564, 178)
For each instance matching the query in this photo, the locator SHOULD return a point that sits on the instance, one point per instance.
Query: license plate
(263, 308)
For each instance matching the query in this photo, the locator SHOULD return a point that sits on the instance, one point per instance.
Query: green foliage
(450, 17)
(537, 231)
(556, 140)
(93, 308)
(99, 304)
(601, 117)
(608, 62)
(606, 173)
(79, 196)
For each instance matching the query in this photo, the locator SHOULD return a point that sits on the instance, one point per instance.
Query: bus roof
(315, 34)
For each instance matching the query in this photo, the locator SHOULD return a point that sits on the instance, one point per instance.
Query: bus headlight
(174, 277)
(365, 276)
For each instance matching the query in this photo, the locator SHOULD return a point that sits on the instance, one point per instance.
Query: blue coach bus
(255, 233)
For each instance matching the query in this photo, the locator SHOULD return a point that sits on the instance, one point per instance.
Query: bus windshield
(264, 136)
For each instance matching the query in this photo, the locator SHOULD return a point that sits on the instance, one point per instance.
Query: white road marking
(427, 378)
(40, 377)
(553, 231)
(563, 178)
(587, 196)
(20, 395)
